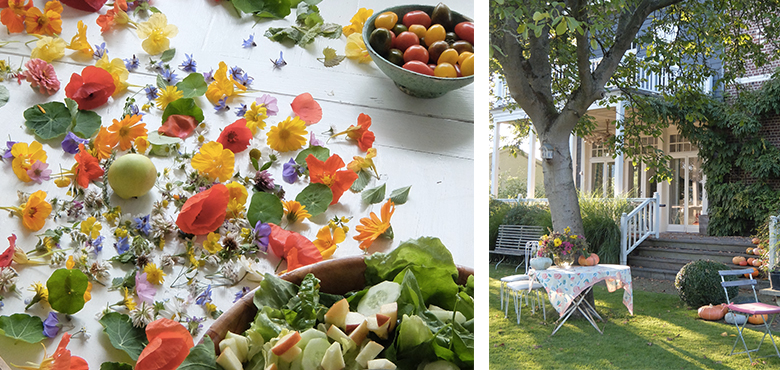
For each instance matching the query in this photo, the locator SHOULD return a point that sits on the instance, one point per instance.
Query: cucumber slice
(314, 352)
(382, 293)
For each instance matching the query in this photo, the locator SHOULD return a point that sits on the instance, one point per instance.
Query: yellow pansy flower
(211, 244)
(91, 227)
(116, 67)
(214, 161)
(255, 117)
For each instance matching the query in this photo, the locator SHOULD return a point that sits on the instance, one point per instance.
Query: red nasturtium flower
(328, 173)
(360, 133)
(202, 213)
(91, 89)
(307, 109)
(293, 247)
(169, 344)
(8, 255)
(61, 359)
(113, 16)
(178, 125)
(87, 167)
(13, 15)
(235, 136)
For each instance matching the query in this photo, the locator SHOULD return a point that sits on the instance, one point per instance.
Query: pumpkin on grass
(713, 313)
(757, 319)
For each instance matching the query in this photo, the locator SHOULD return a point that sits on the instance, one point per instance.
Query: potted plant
(774, 277)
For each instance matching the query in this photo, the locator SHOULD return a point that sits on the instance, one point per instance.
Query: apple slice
(360, 333)
(287, 342)
(390, 310)
(352, 321)
(381, 364)
(369, 352)
(291, 354)
(228, 360)
(240, 345)
(337, 314)
(378, 324)
(337, 335)
(333, 359)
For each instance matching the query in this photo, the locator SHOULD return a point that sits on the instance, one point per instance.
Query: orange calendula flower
(61, 359)
(373, 227)
(44, 22)
(357, 21)
(13, 16)
(214, 161)
(223, 86)
(116, 67)
(326, 242)
(295, 211)
(329, 173)
(155, 33)
(126, 131)
(25, 156)
(79, 41)
(104, 143)
(288, 135)
(360, 133)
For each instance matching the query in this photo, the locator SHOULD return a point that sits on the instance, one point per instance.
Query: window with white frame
(677, 144)
(599, 150)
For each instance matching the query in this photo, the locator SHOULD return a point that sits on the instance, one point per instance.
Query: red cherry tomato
(416, 52)
(465, 30)
(392, 40)
(417, 17)
(419, 67)
(406, 39)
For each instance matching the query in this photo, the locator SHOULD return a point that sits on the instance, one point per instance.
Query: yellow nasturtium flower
(116, 67)
(357, 21)
(356, 48)
(155, 33)
(327, 243)
(214, 161)
(79, 41)
(223, 86)
(25, 156)
(48, 48)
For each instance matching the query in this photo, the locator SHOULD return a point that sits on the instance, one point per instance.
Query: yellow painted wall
(510, 166)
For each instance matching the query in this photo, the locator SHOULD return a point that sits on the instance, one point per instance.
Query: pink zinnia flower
(39, 172)
(41, 74)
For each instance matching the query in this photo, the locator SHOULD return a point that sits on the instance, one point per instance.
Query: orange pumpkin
(758, 251)
(756, 240)
(757, 319)
(749, 250)
(755, 272)
(750, 261)
(712, 313)
(757, 263)
(591, 260)
(737, 260)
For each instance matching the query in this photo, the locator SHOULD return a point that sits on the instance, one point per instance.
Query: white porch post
(531, 181)
(573, 153)
(619, 160)
(494, 165)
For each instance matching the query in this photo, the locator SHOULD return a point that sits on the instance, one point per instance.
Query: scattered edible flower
(50, 325)
(45, 22)
(60, 359)
(307, 108)
(91, 227)
(13, 16)
(79, 41)
(100, 51)
(87, 167)
(357, 21)
(189, 65)
(223, 86)
(295, 211)
(296, 249)
(124, 132)
(329, 173)
(235, 137)
(356, 48)
(255, 117)
(144, 289)
(24, 158)
(91, 89)
(360, 133)
(214, 161)
(41, 294)
(373, 227)
(169, 344)
(290, 171)
(211, 244)
(262, 232)
(269, 102)
(363, 163)
(204, 212)
(328, 239)
(250, 42)
(133, 63)
(155, 33)
(39, 172)
(116, 67)
(41, 74)
(48, 48)
(288, 135)
(168, 95)
(71, 143)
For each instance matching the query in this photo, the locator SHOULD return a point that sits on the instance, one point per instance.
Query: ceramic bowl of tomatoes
(426, 50)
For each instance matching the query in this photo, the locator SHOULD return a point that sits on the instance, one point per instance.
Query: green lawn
(662, 334)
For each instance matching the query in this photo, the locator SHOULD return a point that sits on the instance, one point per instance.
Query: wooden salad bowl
(337, 276)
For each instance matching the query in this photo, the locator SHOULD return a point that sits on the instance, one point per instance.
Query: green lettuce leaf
(428, 252)
(302, 310)
(201, 357)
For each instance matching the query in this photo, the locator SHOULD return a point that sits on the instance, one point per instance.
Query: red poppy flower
(85, 5)
(235, 136)
(87, 167)
(169, 344)
(328, 173)
(8, 255)
(91, 89)
(307, 109)
(178, 125)
(293, 247)
(204, 212)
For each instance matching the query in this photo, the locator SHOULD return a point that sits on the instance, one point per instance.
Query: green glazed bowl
(413, 83)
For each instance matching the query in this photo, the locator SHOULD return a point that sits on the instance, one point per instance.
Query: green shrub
(536, 214)
(601, 224)
(698, 283)
(498, 210)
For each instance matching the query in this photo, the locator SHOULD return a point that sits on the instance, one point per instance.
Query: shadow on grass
(663, 334)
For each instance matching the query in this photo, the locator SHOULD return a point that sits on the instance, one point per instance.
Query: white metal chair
(530, 252)
(525, 288)
(753, 308)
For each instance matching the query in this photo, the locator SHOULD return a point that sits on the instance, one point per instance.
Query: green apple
(132, 175)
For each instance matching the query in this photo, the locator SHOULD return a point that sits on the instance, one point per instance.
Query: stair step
(653, 273)
(686, 254)
(734, 246)
(671, 264)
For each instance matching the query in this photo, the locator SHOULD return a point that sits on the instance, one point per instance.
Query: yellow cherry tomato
(463, 56)
(467, 66)
(448, 56)
(386, 20)
(418, 30)
(435, 33)
(445, 70)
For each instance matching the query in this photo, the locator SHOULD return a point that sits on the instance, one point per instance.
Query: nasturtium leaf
(375, 195)
(4, 95)
(163, 145)
(264, 8)
(85, 123)
(123, 335)
(115, 366)
(73, 106)
(201, 357)
(168, 55)
(331, 59)
(193, 85)
(21, 326)
(185, 106)
(49, 120)
(66, 290)
(364, 177)
(316, 197)
(399, 196)
(320, 152)
(265, 207)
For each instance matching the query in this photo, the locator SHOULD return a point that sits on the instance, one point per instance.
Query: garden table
(567, 289)
(427, 144)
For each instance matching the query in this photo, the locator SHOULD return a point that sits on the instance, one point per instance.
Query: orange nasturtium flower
(223, 86)
(46, 22)
(214, 161)
(169, 344)
(25, 156)
(326, 242)
(373, 227)
(117, 15)
(357, 21)
(79, 41)
(87, 167)
(34, 212)
(13, 16)
(329, 173)
(364, 163)
(360, 133)
(61, 359)
(288, 135)
(126, 131)
(155, 33)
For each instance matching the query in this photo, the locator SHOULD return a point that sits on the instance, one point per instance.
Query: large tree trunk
(559, 181)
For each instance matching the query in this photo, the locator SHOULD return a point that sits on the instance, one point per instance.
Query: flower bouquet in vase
(562, 247)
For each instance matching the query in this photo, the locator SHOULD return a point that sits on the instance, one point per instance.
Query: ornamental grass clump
(698, 283)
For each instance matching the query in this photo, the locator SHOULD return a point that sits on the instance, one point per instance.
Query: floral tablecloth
(563, 285)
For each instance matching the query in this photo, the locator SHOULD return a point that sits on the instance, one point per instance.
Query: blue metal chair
(747, 309)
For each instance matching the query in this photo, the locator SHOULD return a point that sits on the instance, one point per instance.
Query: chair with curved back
(530, 251)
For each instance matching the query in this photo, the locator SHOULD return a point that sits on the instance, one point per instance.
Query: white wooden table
(425, 143)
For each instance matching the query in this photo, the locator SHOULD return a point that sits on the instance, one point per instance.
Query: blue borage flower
(279, 63)
(132, 63)
(241, 110)
(221, 105)
(100, 50)
(189, 65)
(143, 225)
(170, 77)
(204, 297)
(208, 76)
(122, 245)
(250, 42)
(151, 92)
(241, 293)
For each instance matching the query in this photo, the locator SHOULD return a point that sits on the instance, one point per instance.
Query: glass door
(685, 194)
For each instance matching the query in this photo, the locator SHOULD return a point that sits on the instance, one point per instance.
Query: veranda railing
(773, 234)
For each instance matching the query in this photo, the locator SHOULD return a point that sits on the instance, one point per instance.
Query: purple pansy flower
(262, 232)
(9, 144)
(290, 172)
(50, 325)
(71, 143)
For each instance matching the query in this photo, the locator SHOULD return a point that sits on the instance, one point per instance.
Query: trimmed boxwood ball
(698, 283)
